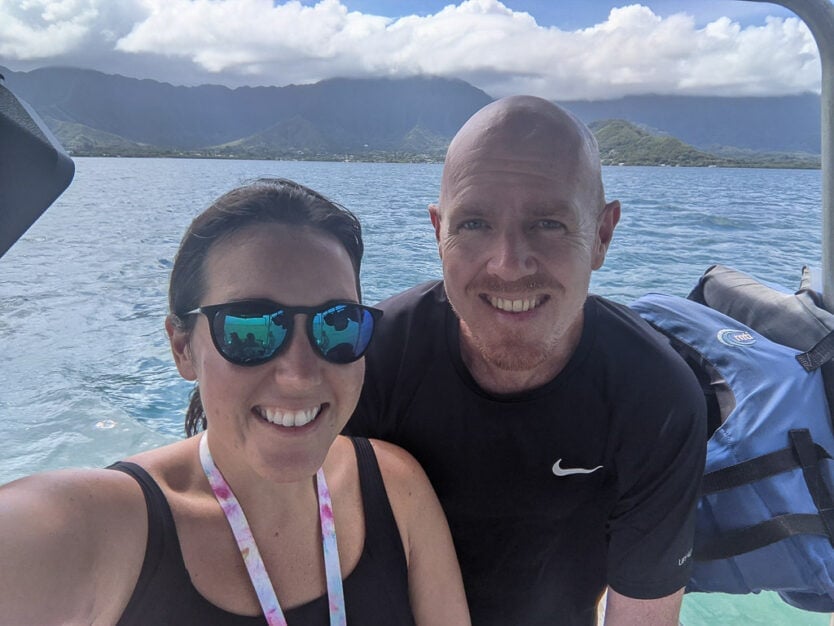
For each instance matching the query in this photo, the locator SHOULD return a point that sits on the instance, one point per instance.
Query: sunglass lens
(342, 332)
(250, 337)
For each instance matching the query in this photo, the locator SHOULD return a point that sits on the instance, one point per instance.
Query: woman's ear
(180, 347)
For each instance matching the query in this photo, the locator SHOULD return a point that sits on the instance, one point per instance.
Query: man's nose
(511, 256)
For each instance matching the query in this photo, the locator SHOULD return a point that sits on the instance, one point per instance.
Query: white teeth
(290, 418)
(514, 306)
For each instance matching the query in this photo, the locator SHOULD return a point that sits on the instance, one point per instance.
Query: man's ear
(180, 348)
(434, 213)
(606, 223)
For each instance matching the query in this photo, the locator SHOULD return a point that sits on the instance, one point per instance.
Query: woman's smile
(289, 418)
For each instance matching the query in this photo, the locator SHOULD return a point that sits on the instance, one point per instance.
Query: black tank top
(376, 591)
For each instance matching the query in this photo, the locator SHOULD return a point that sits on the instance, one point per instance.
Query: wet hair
(263, 201)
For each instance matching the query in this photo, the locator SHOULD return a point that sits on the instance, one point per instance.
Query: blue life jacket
(765, 519)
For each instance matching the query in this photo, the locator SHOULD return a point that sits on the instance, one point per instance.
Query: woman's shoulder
(175, 467)
(405, 481)
(69, 497)
(87, 505)
(409, 490)
(77, 534)
(397, 464)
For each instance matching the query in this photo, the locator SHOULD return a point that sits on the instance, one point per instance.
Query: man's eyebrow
(465, 210)
(549, 209)
(472, 210)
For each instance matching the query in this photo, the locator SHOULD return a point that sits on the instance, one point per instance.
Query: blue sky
(574, 14)
(560, 49)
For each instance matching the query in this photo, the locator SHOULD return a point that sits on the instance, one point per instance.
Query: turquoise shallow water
(87, 376)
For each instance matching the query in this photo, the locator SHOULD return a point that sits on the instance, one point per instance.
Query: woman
(265, 319)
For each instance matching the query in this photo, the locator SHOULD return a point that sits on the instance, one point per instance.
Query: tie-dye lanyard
(249, 550)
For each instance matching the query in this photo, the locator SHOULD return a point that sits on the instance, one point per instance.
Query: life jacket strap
(758, 468)
(820, 354)
(803, 453)
(811, 470)
(742, 540)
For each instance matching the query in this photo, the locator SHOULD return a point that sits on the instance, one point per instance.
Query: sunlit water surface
(87, 373)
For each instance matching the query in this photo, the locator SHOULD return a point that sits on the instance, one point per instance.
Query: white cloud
(43, 29)
(502, 51)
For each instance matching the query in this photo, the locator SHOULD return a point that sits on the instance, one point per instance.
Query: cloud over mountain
(502, 51)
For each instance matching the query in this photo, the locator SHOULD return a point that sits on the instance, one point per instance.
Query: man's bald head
(521, 225)
(529, 129)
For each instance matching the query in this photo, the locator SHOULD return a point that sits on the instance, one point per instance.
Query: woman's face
(293, 266)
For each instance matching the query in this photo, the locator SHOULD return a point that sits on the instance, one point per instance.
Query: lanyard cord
(252, 557)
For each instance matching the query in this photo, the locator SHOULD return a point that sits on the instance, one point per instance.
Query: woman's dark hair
(264, 201)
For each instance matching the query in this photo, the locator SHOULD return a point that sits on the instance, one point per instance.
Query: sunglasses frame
(271, 308)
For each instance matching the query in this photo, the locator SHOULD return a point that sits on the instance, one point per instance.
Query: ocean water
(86, 371)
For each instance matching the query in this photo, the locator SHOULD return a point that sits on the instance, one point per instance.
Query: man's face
(519, 232)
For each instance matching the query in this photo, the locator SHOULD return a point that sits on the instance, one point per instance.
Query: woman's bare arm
(435, 585)
(71, 547)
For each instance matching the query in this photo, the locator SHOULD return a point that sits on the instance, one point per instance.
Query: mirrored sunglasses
(251, 332)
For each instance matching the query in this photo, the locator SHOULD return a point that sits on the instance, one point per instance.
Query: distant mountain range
(379, 119)
(774, 124)
(624, 143)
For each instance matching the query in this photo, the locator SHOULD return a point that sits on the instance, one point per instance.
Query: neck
(498, 380)
(259, 496)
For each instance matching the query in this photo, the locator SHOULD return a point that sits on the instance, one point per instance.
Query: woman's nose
(299, 361)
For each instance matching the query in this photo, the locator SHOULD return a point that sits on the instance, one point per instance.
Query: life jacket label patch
(735, 338)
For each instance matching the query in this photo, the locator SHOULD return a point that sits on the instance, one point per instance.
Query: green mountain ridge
(292, 138)
(620, 143)
(81, 140)
(623, 143)
(395, 119)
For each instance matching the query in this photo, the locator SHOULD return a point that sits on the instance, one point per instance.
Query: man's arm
(621, 610)
(661, 464)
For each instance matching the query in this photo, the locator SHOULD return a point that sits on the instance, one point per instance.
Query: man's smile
(517, 304)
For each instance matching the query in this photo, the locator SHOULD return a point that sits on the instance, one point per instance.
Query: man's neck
(500, 381)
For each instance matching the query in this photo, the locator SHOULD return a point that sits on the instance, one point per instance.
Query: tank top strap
(379, 517)
(162, 533)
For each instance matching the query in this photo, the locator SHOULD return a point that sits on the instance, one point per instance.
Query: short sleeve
(651, 527)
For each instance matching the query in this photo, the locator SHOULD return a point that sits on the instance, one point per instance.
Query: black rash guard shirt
(552, 494)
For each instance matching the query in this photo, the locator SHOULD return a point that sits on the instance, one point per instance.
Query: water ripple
(83, 294)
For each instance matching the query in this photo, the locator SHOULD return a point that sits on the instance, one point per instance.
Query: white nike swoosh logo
(558, 470)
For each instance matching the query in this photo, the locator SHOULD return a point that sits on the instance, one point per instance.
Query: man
(565, 439)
